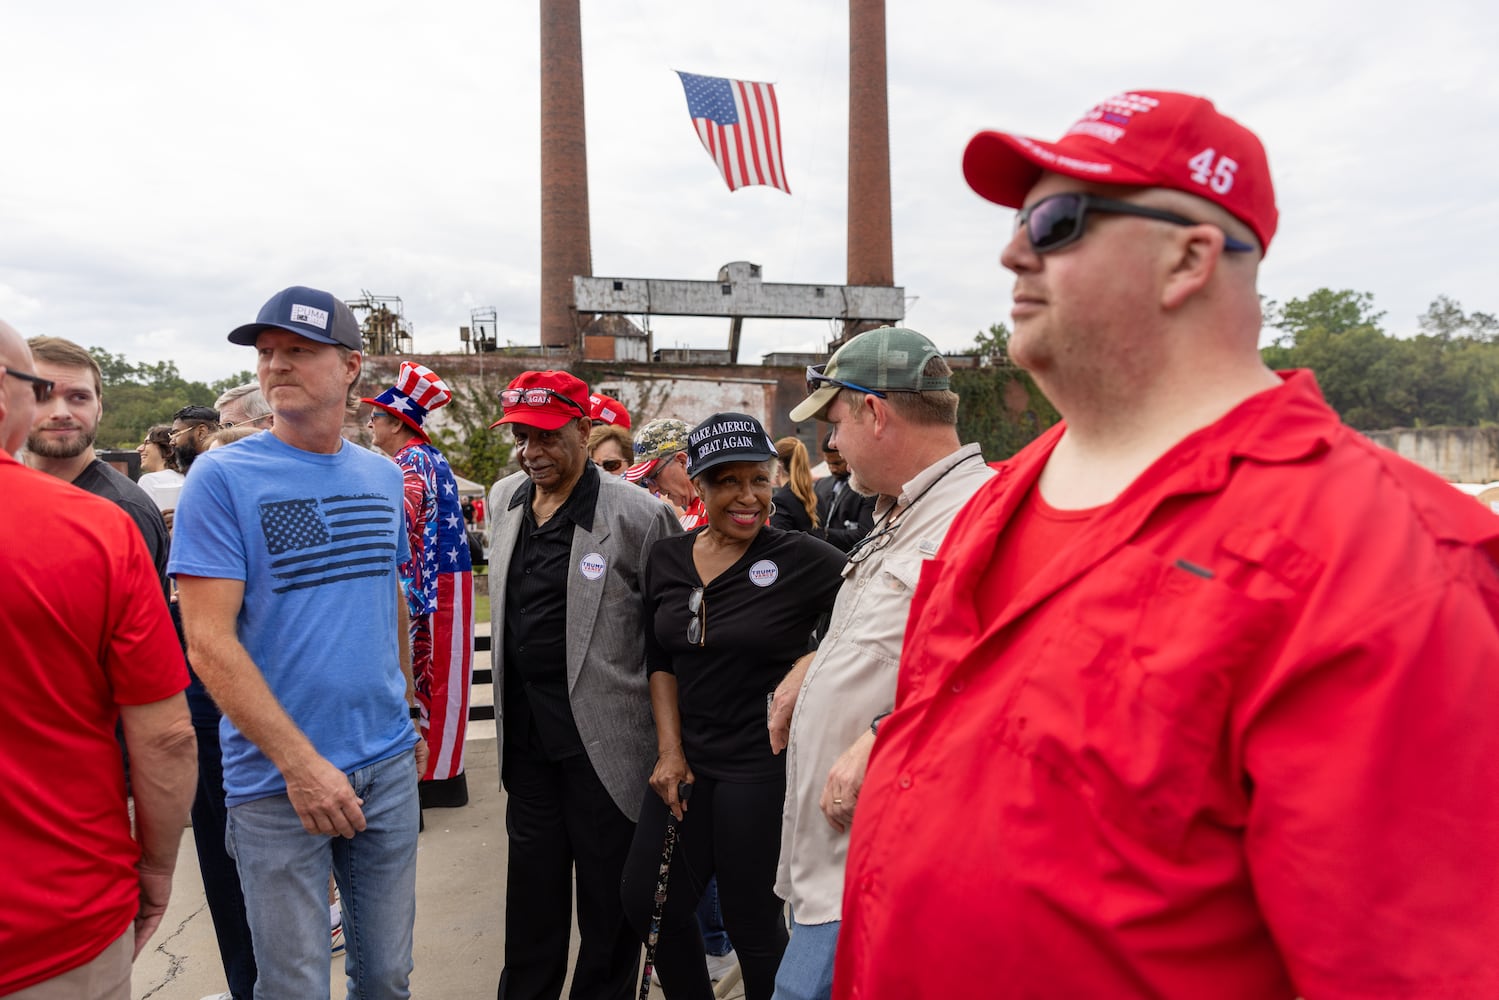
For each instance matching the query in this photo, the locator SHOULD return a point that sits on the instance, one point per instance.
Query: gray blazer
(606, 678)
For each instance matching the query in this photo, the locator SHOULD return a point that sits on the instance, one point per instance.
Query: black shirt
(538, 716)
(845, 516)
(758, 616)
(104, 480)
(790, 513)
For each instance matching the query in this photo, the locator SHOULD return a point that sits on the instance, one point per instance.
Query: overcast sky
(167, 166)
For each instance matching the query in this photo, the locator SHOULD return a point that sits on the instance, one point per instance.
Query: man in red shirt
(1197, 699)
(88, 641)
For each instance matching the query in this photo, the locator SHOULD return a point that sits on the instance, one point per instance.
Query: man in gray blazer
(577, 740)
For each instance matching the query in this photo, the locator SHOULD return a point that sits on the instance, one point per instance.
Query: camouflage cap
(656, 440)
(660, 438)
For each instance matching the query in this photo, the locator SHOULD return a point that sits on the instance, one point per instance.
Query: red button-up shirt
(1237, 739)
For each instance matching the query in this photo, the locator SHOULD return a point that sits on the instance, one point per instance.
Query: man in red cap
(577, 739)
(437, 579)
(1197, 698)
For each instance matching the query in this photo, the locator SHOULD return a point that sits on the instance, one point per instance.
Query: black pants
(560, 816)
(733, 830)
(226, 899)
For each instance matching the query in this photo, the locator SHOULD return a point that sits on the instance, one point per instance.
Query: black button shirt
(538, 716)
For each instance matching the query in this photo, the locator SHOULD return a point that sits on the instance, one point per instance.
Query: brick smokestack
(565, 247)
(870, 255)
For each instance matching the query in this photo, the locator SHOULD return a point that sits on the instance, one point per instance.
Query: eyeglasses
(178, 432)
(649, 479)
(40, 388)
(537, 397)
(816, 378)
(611, 465)
(1061, 219)
(226, 424)
(697, 627)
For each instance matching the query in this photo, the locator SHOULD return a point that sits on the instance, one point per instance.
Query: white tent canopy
(468, 488)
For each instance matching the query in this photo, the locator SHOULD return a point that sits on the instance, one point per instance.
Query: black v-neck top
(758, 618)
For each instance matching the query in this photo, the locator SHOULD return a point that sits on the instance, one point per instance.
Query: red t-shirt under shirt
(1037, 532)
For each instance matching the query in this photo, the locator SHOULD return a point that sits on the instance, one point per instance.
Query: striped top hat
(417, 392)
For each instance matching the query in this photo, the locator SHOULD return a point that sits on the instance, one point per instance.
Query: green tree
(993, 345)
(1448, 375)
(1326, 310)
(472, 449)
(136, 396)
(1003, 409)
(1445, 319)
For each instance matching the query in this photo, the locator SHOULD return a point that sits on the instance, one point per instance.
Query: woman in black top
(794, 503)
(730, 606)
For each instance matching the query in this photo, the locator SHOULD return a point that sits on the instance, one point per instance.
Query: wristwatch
(874, 725)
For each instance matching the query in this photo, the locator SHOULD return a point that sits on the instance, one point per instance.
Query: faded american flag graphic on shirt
(313, 542)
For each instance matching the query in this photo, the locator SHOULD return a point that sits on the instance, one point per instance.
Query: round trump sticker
(592, 566)
(764, 573)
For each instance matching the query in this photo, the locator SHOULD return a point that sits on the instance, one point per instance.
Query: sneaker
(220, 996)
(338, 940)
(721, 965)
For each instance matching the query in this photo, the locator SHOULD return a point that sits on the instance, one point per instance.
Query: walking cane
(684, 792)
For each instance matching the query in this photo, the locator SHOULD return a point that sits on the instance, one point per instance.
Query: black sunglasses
(816, 379)
(1061, 219)
(611, 465)
(649, 479)
(40, 388)
(697, 627)
(537, 397)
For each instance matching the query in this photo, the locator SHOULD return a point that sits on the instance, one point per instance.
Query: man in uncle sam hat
(437, 579)
(1197, 699)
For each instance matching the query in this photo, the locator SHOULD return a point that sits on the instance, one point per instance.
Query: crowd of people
(1189, 697)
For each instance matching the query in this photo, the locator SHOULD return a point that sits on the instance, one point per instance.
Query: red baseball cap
(1142, 138)
(545, 400)
(608, 410)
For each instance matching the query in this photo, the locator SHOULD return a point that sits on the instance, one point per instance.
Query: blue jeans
(284, 870)
(710, 919)
(806, 971)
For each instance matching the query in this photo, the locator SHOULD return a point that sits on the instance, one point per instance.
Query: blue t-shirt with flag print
(317, 540)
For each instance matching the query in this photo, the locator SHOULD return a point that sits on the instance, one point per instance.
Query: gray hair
(254, 404)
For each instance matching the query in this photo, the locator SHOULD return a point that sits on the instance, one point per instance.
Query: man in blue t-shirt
(285, 556)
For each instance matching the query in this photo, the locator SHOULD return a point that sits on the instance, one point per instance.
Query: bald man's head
(17, 396)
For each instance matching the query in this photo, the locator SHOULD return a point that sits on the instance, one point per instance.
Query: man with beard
(844, 515)
(61, 442)
(191, 428)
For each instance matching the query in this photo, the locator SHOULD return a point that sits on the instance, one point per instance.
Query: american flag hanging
(740, 127)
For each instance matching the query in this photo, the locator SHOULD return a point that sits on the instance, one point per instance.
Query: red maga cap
(607, 409)
(1143, 138)
(567, 400)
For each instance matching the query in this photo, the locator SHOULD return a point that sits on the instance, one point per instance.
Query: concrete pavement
(460, 902)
